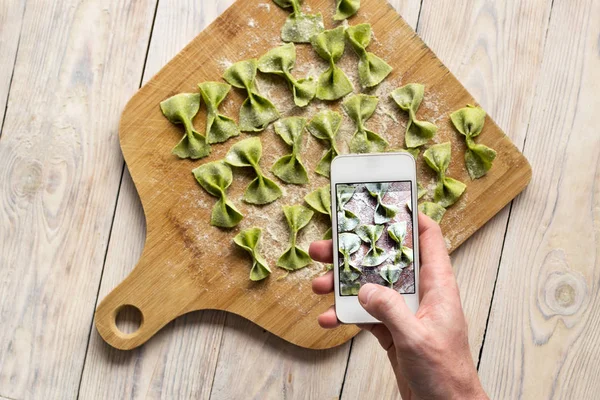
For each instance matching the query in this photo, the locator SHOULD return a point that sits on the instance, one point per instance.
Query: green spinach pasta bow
(181, 109)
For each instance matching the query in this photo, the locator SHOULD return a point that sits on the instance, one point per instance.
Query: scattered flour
(265, 6)
(252, 23)
(225, 63)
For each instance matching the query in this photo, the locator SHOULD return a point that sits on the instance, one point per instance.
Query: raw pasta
(409, 99)
(299, 27)
(249, 240)
(360, 107)
(257, 111)
(215, 177)
(349, 243)
(294, 257)
(181, 109)
(290, 168)
(219, 128)
(320, 201)
(432, 210)
(447, 190)
(478, 157)
(344, 9)
(371, 69)
(370, 234)
(325, 126)
(404, 255)
(383, 212)
(346, 219)
(280, 61)
(247, 153)
(333, 84)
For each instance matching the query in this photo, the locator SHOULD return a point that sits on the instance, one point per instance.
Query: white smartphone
(374, 228)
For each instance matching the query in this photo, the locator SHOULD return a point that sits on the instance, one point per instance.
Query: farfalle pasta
(478, 157)
(371, 69)
(299, 27)
(294, 257)
(333, 84)
(370, 234)
(219, 128)
(447, 190)
(360, 107)
(249, 240)
(409, 99)
(320, 201)
(404, 255)
(390, 273)
(256, 111)
(181, 109)
(432, 210)
(346, 219)
(247, 153)
(349, 243)
(344, 9)
(383, 212)
(215, 177)
(325, 126)
(280, 61)
(290, 168)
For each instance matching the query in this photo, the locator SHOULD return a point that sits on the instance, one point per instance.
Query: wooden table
(71, 225)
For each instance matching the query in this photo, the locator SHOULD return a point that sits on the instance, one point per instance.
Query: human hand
(429, 351)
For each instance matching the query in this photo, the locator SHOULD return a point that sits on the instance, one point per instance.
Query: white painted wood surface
(534, 65)
(542, 339)
(77, 65)
(191, 343)
(495, 49)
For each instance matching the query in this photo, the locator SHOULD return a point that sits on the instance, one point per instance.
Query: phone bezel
(371, 168)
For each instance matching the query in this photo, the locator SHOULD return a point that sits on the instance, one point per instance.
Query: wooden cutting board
(189, 265)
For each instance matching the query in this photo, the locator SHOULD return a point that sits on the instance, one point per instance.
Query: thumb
(389, 307)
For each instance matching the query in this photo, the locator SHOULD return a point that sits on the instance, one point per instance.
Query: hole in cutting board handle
(128, 319)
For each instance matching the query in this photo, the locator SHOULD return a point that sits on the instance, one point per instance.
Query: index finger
(432, 245)
(322, 251)
(436, 268)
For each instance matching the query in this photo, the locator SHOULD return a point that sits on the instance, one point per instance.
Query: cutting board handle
(160, 297)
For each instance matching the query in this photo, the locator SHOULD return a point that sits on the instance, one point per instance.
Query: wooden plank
(60, 174)
(11, 18)
(409, 10)
(180, 362)
(495, 49)
(256, 364)
(542, 339)
(506, 67)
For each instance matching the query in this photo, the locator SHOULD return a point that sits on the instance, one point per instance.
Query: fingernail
(366, 292)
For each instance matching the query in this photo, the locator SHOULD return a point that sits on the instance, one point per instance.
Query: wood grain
(173, 234)
(542, 337)
(11, 18)
(254, 363)
(181, 361)
(495, 49)
(370, 374)
(58, 182)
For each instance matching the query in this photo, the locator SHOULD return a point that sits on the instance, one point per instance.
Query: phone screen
(375, 236)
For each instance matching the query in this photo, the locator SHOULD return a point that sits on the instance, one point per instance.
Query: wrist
(466, 384)
(471, 389)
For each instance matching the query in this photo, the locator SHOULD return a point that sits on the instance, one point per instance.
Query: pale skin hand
(429, 351)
